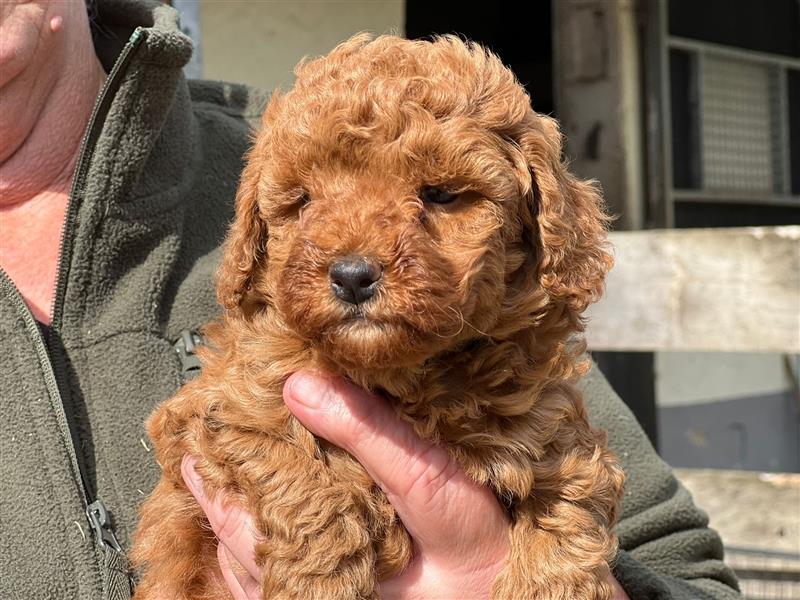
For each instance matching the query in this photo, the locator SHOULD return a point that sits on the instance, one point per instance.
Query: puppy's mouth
(362, 326)
(357, 314)
(361, 340)
(358, 323)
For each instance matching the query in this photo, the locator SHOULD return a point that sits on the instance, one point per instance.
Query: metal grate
(739, 126)
(728, 124)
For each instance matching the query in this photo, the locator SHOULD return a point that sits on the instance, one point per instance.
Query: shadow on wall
(756, 434)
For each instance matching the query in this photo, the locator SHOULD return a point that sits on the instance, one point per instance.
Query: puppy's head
(403, 198)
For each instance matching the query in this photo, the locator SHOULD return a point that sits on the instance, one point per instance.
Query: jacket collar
(144, 111)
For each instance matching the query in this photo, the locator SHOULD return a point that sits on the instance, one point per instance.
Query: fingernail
(308, 389)
(191, 476)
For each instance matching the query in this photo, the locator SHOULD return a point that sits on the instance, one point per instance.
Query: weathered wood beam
(724, 290)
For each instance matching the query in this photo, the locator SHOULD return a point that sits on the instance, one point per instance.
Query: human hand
(460, 532)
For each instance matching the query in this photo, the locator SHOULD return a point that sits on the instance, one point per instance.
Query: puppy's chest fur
(473, 401)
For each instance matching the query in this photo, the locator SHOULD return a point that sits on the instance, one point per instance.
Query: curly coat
(473, 334)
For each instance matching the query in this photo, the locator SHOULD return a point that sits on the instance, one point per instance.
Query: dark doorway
(522, 38)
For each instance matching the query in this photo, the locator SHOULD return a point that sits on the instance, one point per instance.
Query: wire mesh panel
(738, 125)
(722, 106)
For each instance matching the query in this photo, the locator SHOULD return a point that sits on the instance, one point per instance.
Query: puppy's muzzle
(354, 279)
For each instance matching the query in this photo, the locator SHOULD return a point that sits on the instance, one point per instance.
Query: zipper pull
(186, 346)
(103, 532)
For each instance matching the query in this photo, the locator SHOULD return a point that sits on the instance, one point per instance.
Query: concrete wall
(259, 43)
(727, 410)
(598, 99)
(684, 378)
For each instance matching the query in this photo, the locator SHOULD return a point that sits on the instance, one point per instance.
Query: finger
(440, 507)
(238, 580)
(619, 592)
(232, 525)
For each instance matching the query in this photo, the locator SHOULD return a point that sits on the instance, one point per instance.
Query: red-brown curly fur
(472, 335)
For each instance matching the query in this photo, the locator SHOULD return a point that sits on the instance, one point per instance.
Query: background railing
(723, 290)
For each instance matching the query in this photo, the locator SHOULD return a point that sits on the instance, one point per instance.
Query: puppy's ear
(246, 245)
(565, 221)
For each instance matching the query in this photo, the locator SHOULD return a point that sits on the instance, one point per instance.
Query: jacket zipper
(53, 363)
(12, 292)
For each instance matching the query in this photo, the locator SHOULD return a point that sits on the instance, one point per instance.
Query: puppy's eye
(436, 195)
(291, 203)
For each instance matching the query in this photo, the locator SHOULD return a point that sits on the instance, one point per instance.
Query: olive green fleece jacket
(151, 200)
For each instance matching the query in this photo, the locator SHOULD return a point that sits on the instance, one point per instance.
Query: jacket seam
(105, 208)
(210, 107)
(80, 345)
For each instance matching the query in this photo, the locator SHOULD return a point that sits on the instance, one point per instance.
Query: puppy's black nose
(354, 278)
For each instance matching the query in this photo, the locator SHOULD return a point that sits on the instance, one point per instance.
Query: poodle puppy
(404, 220)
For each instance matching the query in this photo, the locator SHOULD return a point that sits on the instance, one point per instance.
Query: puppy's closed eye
(437, 195)
(290, 205)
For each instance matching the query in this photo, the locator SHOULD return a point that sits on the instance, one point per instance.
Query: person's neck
(46, 99)
(43, 115)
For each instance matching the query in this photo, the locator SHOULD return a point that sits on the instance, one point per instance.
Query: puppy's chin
(365, 343)
(375, 336)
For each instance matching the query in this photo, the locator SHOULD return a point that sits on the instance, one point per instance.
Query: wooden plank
(724, 290)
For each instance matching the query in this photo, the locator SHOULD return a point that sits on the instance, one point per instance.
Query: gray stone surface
(758, 433)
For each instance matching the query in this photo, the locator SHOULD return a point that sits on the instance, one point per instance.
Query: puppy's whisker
(465, 322)
(483, 333)
(460, 329)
